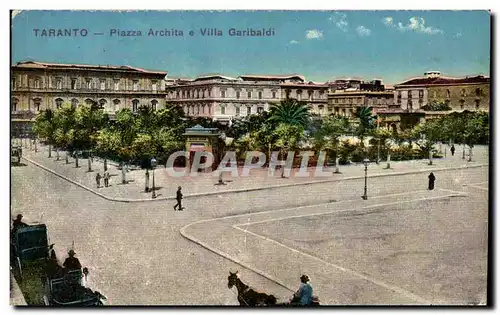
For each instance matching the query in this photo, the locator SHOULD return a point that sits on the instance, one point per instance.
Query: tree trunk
(50, 150)
(388, 159)
(463, 152)
(57, 154)
(76, 161)
(146, 186)
(67, 158)
(470, 154)
(430, 156)
(337, 162)
(105, 164)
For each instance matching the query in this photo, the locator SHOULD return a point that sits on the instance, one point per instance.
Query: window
(103, 85)
(135, 105)
(209, 93)
(410, 104)
(299, 95)
(73, 84)
(88, 83)
(37, 102)
(249, 94)
(448, 94)
(222, 109)
(37, 83)
(135, 85)
(463, 93)
(198, 109)
(59, 103)
(336, 100)
(102, 103)
(274, 94)
(59, 84)
(237, 111)
(462, 103)
(478, 103)
(409, 94)
(223, 93)
(154, 104)
(88, 101)
(153, 85)
(13, 104)
(74, 103)
(479, 92)
(237, 94)
(260, 94)
(321, 108)
(117, 104)
(260, 110)
(249, 110)
(421, 93)
(13, 83)
(434, 94)
(310, 94)
(117, 85)
(360, 100)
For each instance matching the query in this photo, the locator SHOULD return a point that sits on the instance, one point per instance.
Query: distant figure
(221, 180)
(432, 179)
(304, 294)
(98, 180)
(106, 179)
(17, 223)
(179, 199)
(72, 263)
(452, 150)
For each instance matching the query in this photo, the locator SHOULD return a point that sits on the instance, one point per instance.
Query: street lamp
(365, 162)
(153, 165)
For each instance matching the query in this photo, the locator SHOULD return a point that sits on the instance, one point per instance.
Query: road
(137, 256)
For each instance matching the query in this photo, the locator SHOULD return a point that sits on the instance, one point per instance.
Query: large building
(223, 98)
(433, 95)
(37, 86)
(347, 103)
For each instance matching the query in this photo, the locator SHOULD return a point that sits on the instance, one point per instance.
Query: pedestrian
(179, 199)
(106, 179)
(452, 150)
(432, 179)
(98, 179)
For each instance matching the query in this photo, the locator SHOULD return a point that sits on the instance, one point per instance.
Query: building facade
(433, 91)
(223, 98)
(36, 86)
(347, 103)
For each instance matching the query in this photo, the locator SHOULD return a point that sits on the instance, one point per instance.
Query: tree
(127, 129)
(328, 134)
(366, 121)
(45, 127)
(65, 133)
(287, 138)
(476, 127)
(384, 135)
(291, 112)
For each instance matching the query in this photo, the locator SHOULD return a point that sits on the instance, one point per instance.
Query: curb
(249, 189)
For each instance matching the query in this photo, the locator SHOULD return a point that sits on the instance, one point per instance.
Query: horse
(248, 296)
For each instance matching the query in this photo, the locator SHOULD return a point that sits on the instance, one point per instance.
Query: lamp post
(365, 194)
(153, 165)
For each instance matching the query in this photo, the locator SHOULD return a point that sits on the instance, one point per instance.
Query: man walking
(106, 179)
(432, 179)
(98, 179)
(179, 199)
(452, 150)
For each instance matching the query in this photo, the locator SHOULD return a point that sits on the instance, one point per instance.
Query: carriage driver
(17, 223)
(72, 263)
(304, 294)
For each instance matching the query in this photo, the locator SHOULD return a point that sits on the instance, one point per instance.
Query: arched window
(135, 105)
(154, 104)
(89, 101)
(222, 109)
(74, 103)
(59, 102)
(13, 104)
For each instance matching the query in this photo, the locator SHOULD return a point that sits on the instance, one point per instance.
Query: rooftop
(47, 65)
(440, 80)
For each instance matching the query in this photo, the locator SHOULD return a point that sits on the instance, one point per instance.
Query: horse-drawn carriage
(41, 278)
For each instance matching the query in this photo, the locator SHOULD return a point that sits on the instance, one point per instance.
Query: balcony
(87, 90)
(23, 115)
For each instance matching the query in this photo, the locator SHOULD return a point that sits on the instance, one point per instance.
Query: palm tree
(366, 121)
(291, 112)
